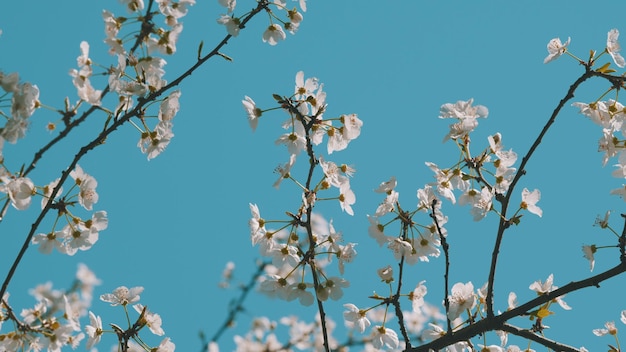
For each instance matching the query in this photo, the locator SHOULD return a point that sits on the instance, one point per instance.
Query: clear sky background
(176, 220)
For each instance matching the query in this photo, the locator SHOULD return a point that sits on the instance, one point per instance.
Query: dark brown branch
(497, 322)
(396, 304)
(307, 123)
(445, 246)
(504, 222)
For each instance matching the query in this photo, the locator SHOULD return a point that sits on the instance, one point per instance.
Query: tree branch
(497, 322)
(504, 222)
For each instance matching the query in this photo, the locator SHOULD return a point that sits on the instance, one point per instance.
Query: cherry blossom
(133, 5)
(388, 205)
(304, 88)
(284, 171)
(466, 113)
(24, 101)
(294, 140)
(174, 10)
(295, 18)
(333, 288)
(529, 201)
(385, 274)
(346, 255)
(273, 34)
(480, 201)
(556, 49)
(417, 296)
(20, 191)
(461, 299)
(94, 330)
(166, 43)
(9, 82)
(346, 198)
(299, 291)
(152, 320)
(610, 329)
(383, 336)
(122, 296)
(387, 186)
(166, 346)
(231, 23)
(375, 230)
(87, 195)
(47, 191)
(86, 92)
(79, 240)
(14, 129)
(544, 287)
(351, 126)
(48, 242)
(356, 317)
(613, 48)
(253, 112)
(588, 253)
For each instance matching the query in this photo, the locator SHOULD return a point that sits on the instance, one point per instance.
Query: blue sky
(176, 220)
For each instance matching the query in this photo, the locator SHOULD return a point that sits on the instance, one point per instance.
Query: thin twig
(527, 334)
(504, 222)
(445, 246)
(237, 307)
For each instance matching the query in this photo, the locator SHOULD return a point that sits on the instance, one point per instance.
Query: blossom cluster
(611, 117)
(479, 183)
(464, 299)
(610, 114)
(425, 320)
(381, 336)
(263, 335)
(416, 241)
(24, 100)
(77, 234)
(421, 241)
(53, 322)
(274, 32)
(306, 238)
(470, 177)
(134, 77)
(124, 296)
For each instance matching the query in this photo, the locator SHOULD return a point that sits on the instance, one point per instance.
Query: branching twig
(396, 304)
(136, 111)
(504, 222)
(237, 306)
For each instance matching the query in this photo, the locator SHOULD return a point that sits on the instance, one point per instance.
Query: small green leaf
(544, 312)
(604, 68)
